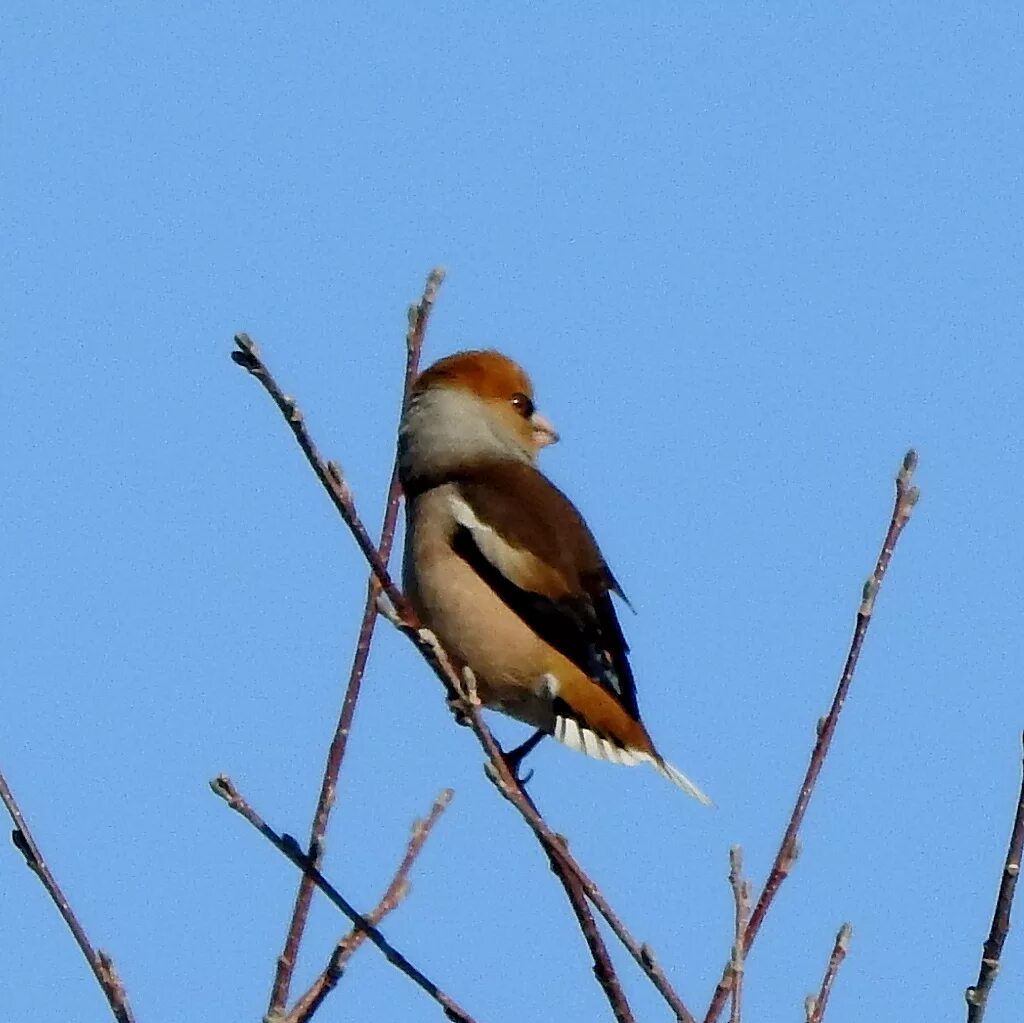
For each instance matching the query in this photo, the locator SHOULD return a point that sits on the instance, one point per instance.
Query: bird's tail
(666, 770)
(576, 735)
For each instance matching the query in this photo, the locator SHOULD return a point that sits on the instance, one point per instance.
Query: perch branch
(562, 862)
(288, 847)
(906, 497)
(977, 996)
(553, 845)
(99, 962)
(419, 316)
(308, 1004)
(815, 1005)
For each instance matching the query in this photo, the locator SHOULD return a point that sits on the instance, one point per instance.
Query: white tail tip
(666, 770)
(577, 736)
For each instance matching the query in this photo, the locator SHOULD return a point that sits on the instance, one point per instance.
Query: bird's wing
(526, 540)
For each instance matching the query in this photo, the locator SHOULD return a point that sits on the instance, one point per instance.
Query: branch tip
(248, 355)
(224, 787)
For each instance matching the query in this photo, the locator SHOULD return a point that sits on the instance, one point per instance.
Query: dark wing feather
(578, 618)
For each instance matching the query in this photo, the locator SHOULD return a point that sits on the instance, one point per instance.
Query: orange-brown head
(469, 408)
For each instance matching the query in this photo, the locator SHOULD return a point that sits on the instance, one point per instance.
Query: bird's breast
(510, 661)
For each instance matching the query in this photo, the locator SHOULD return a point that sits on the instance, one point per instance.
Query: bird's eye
(522, 404)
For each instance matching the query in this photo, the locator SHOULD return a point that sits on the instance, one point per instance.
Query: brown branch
(329, 474)
(906, 497)
(815, 1005)
(308, 1004)
(392, 599)
(604, 971)
(741, 903)
(419, 315)
(977, 996)
(99, 962)
(553, 845)
(288, 847)
(404, 618)
(565, 867)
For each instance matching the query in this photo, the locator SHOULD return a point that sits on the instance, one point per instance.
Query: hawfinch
(501, 567)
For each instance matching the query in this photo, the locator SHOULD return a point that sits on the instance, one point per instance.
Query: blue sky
(749, 256)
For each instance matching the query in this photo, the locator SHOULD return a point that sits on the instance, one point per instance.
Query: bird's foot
(515, 757)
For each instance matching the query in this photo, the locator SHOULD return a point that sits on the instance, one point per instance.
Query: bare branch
(304, 1008)
(815, 1005)
(554, 846)
(288, 847)
(329, 474)
(741, 902)
(99, 962)
(977, 996)
(419, 316)
(604, 971)
(906, 498)
(399, 611)
(565, 867)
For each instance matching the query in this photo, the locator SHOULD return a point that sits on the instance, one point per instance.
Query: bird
(502, 568)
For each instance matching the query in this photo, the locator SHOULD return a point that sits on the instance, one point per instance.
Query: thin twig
(99, 962)
(741, 902)
(977, 996)
(287, 846)
(308, 1004)
(906, 498)
(419, 316)
(604, 971)
(815, 1005)
(404, 618)
(399, 610)
(329, 474)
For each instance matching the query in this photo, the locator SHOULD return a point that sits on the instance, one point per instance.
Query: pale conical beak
(543, 432)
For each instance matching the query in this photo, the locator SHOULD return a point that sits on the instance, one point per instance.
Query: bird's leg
(513, 758)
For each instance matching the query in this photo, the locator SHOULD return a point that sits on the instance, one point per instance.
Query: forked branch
(288, 847)
(304, 1008)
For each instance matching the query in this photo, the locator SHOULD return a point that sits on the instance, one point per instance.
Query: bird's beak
(543, 432)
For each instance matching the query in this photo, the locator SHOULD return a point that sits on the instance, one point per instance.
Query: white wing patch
(578, 737)
(509, 560)
(464, 515)
(520, 566)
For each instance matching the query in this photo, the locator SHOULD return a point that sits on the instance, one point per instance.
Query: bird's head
(470, 408)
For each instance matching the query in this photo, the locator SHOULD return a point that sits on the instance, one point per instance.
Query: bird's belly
(477, 628)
